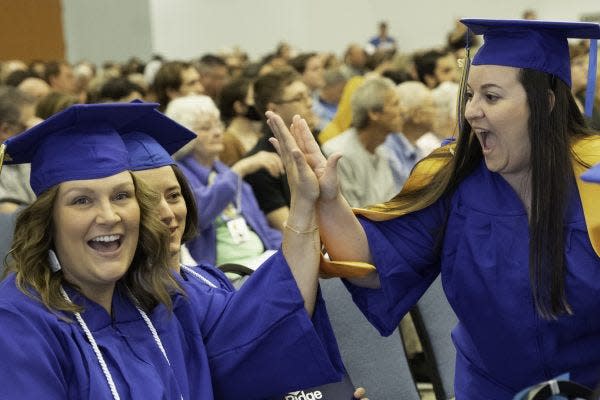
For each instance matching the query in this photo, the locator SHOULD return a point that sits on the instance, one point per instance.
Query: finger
(332, 162)
(306, 137)
(359, 392)
(275, 144)
(281, 132)
(300, 162)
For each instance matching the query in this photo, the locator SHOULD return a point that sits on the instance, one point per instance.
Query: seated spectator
(355, 60)
(445, 97)
(364, 170)
(213, 75)
(283, 92)
(343, 117)
(232, 228)
(60, 77)
(326, 104)
(16, 115)
(310, 68)
(53, 103)
(238, 111)
(120, 90)
(175, 79)
(34, 87)
(419, 113)
(436, 66)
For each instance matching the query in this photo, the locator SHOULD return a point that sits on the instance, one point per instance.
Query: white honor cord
(197, 275)
(90, 338)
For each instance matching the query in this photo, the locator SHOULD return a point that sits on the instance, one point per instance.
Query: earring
(53, 260)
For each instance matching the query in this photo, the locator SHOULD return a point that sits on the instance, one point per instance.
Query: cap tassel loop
(590, 92)
(462, 89)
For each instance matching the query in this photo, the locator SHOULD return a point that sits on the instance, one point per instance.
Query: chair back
(374, 362)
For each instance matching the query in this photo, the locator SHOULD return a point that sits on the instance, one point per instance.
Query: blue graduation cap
(539, 45)
(151, 141)
(81, 142)
(592, 175)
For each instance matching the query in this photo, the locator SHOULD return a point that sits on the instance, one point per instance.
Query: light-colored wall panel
(103, 30)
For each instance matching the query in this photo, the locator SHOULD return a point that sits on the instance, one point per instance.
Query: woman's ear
(551, 100)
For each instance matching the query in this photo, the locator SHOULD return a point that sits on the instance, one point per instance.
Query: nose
(473, 110)
(164, 211)
(107, 215)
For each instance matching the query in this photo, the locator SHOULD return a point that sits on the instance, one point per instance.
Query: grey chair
(374, 362)
(7, 227)
(434, 320)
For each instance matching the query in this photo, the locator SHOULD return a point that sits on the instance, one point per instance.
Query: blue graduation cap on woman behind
(539, 45)
(81, 142)
(151, 141)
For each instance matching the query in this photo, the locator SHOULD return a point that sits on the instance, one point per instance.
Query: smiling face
(498, 113)
(96, 229)
(172, 208)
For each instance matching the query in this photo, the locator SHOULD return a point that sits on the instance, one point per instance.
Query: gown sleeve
(260, 340)
(406, 255)
(34, 356)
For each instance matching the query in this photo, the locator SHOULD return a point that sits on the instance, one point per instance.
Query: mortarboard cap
(539, 45)
(151, 141)
(592, 175)
(81, 142)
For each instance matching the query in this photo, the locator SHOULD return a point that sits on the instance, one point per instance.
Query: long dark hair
(553, 126)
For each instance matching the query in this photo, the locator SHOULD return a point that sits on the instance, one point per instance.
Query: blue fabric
(212, 274)
(502, 344)
(590, 92)
(592, 175)
(145, 152)
(539, 45)
(213, 199)
(403, 156)
(250, 344)
(81, 142)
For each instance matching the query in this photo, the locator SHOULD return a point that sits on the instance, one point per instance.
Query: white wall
(103, 30)
(113, 29)
(195, 27)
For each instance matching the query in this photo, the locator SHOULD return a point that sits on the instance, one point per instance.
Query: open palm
(323, 168)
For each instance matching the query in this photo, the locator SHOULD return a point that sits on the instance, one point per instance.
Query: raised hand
(324, 169)
(302, 179)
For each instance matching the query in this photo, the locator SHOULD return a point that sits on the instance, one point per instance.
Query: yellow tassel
(2, 151)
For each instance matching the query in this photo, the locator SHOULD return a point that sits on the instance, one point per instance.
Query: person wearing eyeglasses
(283, 92)
(232, 228)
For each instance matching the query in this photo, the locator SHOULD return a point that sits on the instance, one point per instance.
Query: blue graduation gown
(212, 274)
(220, 345)
(502, 344)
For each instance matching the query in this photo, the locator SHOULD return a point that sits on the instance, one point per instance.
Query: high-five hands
(298, 141)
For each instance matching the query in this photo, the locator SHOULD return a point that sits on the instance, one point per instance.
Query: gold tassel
(2, 151)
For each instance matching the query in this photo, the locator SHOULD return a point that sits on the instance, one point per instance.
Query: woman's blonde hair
(148, 278)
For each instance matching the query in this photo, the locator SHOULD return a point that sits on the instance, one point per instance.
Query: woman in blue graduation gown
(92, 319)
(501, 215)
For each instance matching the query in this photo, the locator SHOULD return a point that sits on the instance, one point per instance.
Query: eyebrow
(83, 189)
(487, 86)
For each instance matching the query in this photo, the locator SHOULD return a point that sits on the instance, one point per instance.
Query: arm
(301, 245)
(341, 233)
(278, 217)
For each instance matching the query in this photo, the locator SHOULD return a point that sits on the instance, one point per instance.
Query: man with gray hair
(364, 170)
